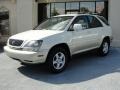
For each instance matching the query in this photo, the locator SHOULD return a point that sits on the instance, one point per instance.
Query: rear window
(104, 20)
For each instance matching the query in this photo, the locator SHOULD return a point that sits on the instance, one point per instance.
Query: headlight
(33, 45)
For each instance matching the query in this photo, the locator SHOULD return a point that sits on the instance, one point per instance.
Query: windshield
(55, 23)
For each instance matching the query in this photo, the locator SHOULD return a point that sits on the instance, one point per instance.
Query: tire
(104, 48)
(57, 60)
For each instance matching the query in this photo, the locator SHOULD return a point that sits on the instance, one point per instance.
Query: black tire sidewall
(101, 53)
(50, 59)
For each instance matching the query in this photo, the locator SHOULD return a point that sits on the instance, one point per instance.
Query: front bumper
(27, 57)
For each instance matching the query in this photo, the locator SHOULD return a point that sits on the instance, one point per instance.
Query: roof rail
(88, 13)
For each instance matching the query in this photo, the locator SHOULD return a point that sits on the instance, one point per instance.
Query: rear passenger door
(95, 27)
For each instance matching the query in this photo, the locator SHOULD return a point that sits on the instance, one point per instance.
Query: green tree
(84, 10)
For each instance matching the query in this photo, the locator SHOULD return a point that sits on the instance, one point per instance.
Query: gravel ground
(85, 72)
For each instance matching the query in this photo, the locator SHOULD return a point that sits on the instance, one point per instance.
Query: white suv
(54, 41)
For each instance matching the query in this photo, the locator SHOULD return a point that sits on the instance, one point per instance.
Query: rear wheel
(57, 60)
(104, 48)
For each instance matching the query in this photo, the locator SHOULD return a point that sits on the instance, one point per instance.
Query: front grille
(15, 42)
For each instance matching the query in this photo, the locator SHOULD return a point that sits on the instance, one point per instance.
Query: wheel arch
(104, 38)
(107, 38)
(63, 45)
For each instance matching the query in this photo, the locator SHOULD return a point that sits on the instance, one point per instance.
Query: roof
(73, 15)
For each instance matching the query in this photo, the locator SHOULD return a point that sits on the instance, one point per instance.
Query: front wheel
(104, 48)
(57, 60)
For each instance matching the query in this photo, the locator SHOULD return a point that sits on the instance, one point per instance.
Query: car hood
(35, 34)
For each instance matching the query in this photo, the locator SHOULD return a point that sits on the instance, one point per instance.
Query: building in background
(4, 22)
(21, 15)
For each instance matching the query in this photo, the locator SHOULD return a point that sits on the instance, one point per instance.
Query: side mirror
(77, 27)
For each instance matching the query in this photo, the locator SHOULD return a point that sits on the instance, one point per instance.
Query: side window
(81, 20)
(94, 22)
